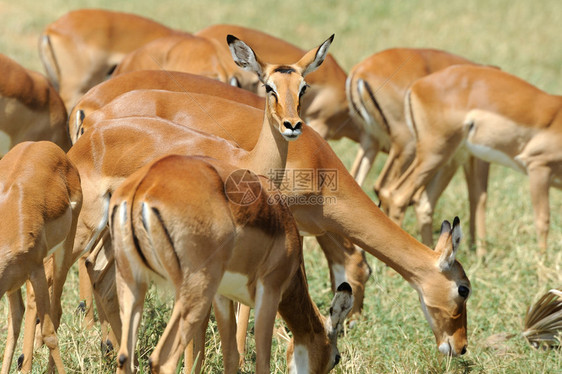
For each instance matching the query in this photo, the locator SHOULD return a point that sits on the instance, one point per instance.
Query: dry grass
(520, 36)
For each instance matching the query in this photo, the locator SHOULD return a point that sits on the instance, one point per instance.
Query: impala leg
(347, 263)
(131, 301)
(364, 160)
(226, 323)
(193, 302)
(267, 302)
(29, 331)
(242, 331)
(101, 270)
(426, 200)
(14, 326)
(397, 162)
(194, 354)
(387, 170)
(39, 283)
(539, 178)
(476, 173)
(85, 292)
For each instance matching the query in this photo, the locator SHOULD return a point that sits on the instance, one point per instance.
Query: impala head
(318, 352)
(443, 297)
(284, 84)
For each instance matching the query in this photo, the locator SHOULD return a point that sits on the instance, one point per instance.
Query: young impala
(188, 221)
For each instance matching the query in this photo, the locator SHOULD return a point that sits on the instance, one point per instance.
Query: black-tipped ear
(445, 227)
(345, 287)
(456, 222)
(244, 56)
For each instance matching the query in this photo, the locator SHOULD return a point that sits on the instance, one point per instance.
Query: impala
(40, 199)
(177, 220)
(101, 157)
(375, 90)
(176, 52)
(30, 108)
(489, 114)
(81, 48)
(106, 92)
(324, 108)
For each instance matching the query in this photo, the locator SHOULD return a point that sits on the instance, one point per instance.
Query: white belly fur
(235, 286)
(492, 155)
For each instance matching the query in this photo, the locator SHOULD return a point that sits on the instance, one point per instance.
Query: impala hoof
(81, 307)
(122, 360)
(106, 347)
(20, 361)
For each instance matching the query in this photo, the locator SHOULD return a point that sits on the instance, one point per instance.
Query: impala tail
(49, 60)
(364, 105)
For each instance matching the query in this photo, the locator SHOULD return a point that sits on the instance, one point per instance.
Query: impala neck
(359, 219)
(270, 152)
(299, 311)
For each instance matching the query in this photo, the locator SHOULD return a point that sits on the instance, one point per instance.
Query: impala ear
(448, 243)
(244, 56)
(341, 306)
(315, 57)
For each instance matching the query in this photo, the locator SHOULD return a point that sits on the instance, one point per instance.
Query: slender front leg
(85, 293)
(267, 302)
(347, 263)
(476, 174)
(242, 331)
(539, 179)
(226, 323)
(14, 326)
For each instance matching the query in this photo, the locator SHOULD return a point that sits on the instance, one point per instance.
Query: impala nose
(290, 126)
(338, 358)
(463, 351)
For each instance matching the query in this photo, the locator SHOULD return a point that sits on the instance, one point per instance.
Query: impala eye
(464, 291)
(303, 90)
(268, 89)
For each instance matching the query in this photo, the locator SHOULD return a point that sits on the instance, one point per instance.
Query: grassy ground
(521, 37)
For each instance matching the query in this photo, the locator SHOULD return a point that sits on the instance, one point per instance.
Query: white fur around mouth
(291, 134)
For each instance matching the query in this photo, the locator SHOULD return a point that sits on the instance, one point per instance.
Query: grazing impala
(81, 48)
(176, 52)
(30, 108)
(375, 90)
(101, 156)
(177, 220)
(492, 115)
(324, 108)
(40, 198)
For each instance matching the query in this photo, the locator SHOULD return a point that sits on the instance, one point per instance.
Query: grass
(521, 37)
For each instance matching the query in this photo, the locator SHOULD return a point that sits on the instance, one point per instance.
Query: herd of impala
(169, 133)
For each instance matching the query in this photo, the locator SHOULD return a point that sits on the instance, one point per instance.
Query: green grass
(521, 37)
